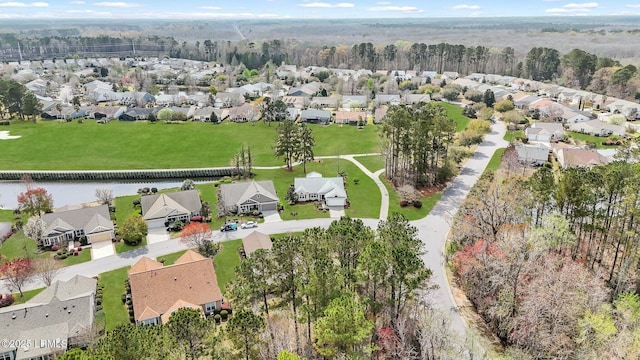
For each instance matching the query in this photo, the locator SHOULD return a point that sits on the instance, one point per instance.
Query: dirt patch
(426, 191)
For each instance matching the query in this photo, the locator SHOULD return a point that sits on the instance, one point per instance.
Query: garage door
(94, 238)
(334, 201)
(156, 223)
(271, 206)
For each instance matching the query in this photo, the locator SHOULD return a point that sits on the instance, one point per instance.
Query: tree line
(17, 101)
(550, 260)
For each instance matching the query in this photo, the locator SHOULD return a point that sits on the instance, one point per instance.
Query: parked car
(249, 225)
(229, 227)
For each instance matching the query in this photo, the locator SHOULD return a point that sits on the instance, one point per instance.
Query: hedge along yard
(53, 145)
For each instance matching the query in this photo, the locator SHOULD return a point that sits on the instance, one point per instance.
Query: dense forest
(551, 261)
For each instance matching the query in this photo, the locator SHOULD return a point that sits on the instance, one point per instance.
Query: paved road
(432, 229)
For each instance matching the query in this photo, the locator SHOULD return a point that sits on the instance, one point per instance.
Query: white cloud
(383, 3)
(78, 2)
(573, 8)
(406, 9)
(465, 7)
(634, 6)
(118, 4)
(210, 8)
(326, 5)
(23, 5)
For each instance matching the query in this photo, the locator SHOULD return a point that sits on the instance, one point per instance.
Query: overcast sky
(297, 9)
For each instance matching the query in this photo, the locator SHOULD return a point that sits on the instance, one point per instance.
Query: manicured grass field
(373, 163)
(6, 215)
(28, 295)
(83, 256)
(365, 197)
(20, 246)
(511, 136)
(115, 311)
(410, 212)
(124, 247)
(226, 261)
(584, 138)
(170, 259)
(455, 112)
(50, 145)
(495, 161)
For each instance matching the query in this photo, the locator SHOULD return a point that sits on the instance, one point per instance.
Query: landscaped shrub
(6, 122)
(227, 181)
(124, 298)
(224, 314)
(403, 203)
(255, 213)
(417, 204)
(356, 181)
(217, 318)
(55, 247)
(6, 300)
(132, 319)
(98, 307)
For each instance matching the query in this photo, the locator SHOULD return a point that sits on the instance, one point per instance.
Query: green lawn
(20, 246)
(511, 136)
(410, 212)
(142, 145)
(6, 215)
(582, 139)
(365, 197)
(122, 246)
(455, 112)
(124, 207)
(496, 160)
(28, 295)
(83, 256)
(114, 310)
(373, 163)
(226, 261)
(170, 259)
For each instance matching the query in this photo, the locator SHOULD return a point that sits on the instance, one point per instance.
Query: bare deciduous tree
(36, 229)
(105, 196)
(46, 270)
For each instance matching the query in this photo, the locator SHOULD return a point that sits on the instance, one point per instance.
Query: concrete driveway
(271, 216)
(102, 249)
(157, 235)
(336, 211)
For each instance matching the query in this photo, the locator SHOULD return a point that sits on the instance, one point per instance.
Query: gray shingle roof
(239, 192)
(162, 205)
(86, 219)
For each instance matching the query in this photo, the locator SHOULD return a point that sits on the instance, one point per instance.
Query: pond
(73, 193)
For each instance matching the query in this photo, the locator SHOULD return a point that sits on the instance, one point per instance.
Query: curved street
(432, 229)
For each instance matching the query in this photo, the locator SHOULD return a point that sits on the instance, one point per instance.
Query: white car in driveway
(249, 225)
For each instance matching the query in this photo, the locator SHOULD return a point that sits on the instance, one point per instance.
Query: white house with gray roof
(94, 223)
(159, 210)
(314, 187)
(248, 196)
(59, 316)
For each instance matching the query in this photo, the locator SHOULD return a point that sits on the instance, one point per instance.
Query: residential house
(450, 75)
(170, 99)
(306, 90)
(597, 128)
(629, 109)
(160, 210)
(312, 116)
(545, 132)
(256, 241)
(226, 99)
(383, 99)
(412, 99)
(137, 98)
(158, 291)
(533, 154)
(297, 102)
(92, 223)
(200, 100)
(204, 114)
(106, 112)
(324, 102)
(248, 196)
(135, 114)
(357, 102)
(37, 86)
(314, 187)
(243, 113)
(58, 317)
(570, 116)
(574, 157)
(292, 114)
(350, 117)
(65, 112)
(521, 101)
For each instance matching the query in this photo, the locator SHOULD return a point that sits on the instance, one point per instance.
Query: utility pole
(20, 51)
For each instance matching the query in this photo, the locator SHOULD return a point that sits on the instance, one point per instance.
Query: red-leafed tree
(198, 235)
(17, 273)
(35, 201)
